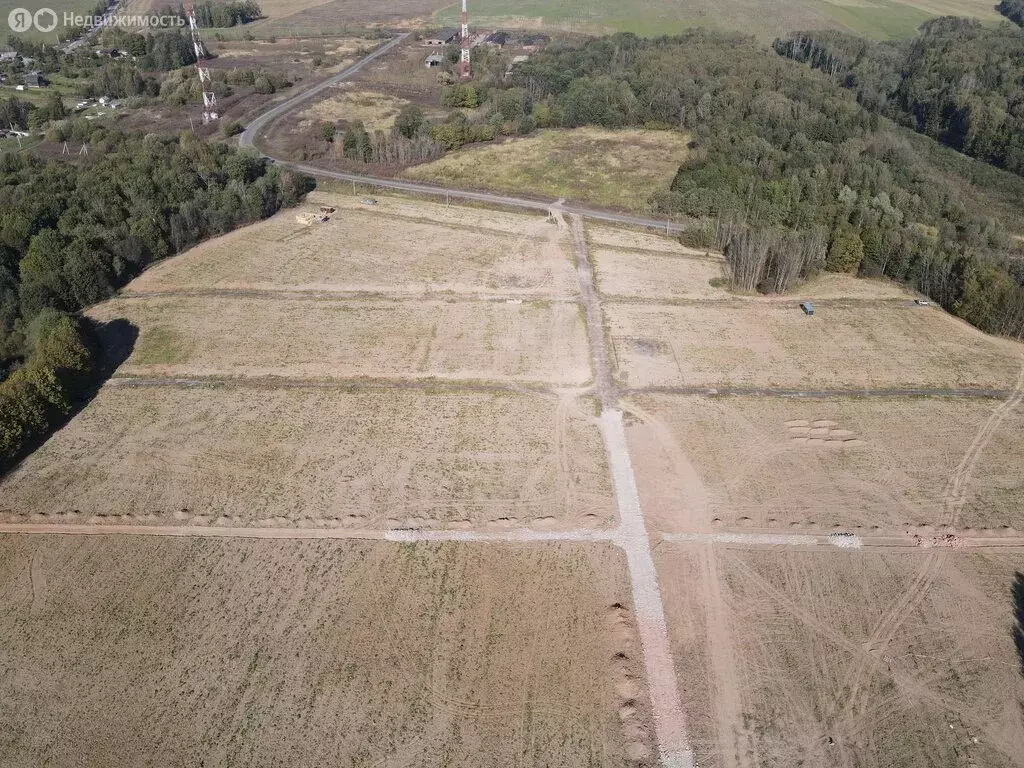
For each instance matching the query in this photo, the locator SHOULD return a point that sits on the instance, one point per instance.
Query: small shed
(34, 80)
(807, 307)
(434, 60)
(445, 36)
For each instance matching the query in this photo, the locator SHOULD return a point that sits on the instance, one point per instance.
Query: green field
(766, 19)
(617, 169)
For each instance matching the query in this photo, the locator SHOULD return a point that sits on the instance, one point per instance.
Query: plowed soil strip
(237, 532)
(827, 394)
(849, 540)
(342, 294)
(353, 385)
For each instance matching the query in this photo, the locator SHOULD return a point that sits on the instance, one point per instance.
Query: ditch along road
(248, 139)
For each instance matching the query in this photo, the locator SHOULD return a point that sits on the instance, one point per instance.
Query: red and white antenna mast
(465, 70)
(209, 97)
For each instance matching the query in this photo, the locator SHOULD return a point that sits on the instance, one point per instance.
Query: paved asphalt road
(256, 126)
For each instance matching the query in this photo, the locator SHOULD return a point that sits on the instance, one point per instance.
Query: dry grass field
(763, 462)
(534, 341)
(416, 372)
(276, 392)
(396, 247)
(318, 457)
(834, 658)
(176, 652)
(377, 111)
(618, 169)
(662, 277)
(846, 345)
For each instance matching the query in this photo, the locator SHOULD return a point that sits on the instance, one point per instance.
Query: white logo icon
(22, 20)
(46, 20)
(19, 20)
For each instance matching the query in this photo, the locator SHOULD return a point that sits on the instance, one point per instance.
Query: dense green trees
(37, 395)
(15, 112)
(227, 14)
(220, 14)
(1013, 10)
(72, 234)
(782, 157)
(958, 82)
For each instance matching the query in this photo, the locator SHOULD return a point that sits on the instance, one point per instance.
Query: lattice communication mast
(465, 70)
(209, 97)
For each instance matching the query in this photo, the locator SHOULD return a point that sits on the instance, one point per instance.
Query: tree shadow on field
(116, 342)
(110, 343)
(1018, 614)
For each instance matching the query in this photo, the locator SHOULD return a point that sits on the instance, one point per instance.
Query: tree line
(229, 14)
(785, 161)
(73, 233)
(38, 395)
(958, 82)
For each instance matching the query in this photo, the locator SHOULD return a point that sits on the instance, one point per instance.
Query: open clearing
(157, 652)
(765, 19)
(617, 169)
(498, 341)
(846, 345)
(394, 247)
(851, 464)
(409, 372)
(304, 456)
(835, 658)
(377, 111)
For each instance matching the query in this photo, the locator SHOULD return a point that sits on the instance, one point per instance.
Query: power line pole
(465, 68)
(209, 97)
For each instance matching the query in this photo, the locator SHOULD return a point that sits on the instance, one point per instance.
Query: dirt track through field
(406, 536)
(850, 708)
(955, 495)
(827, 394)
(669, 721)
(843, 540)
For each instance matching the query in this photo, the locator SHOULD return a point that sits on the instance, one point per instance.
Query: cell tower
(209, 97)
(465, 70)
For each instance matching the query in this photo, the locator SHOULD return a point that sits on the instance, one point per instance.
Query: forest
(957, 82)
(788, 172)
(220, 14)
(73, 233)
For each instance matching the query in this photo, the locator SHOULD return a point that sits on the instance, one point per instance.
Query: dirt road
(250, 136)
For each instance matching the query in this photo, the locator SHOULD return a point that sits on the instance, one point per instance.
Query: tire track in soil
(718, 636)
(728, 701)
(954, 498)
(909, 683)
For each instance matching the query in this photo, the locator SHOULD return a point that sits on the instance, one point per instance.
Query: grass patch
(160, 345)
(617, 169)
(377, 110)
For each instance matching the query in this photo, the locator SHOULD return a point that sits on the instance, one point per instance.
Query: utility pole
(209, 97)
(465, 69)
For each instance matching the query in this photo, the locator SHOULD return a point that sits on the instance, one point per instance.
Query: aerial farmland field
(494, 488)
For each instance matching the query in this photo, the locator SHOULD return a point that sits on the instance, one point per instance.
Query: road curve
(257, 124)
(252, 131)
